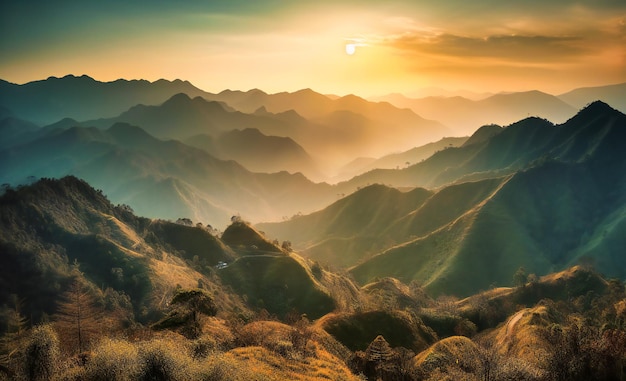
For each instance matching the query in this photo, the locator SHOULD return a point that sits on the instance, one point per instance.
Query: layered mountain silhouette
(534, 194)
(350, 119)
(335, 136)
(259, 152)
(330, 129)
(81, 98)
(397, 160)
(511, 149)
(615, 95)
(165, 179)
(464, 115)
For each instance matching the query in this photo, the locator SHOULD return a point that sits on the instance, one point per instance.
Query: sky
(343, 46)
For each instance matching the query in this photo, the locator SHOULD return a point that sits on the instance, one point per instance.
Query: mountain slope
(47, 226)
(397, 160)
(513, 148)
(53, 228)
(561, 202)
(351, 226)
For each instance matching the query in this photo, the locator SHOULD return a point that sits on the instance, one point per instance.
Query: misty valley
(157, 231)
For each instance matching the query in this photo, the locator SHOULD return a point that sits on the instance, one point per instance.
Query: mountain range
(426, 221)
(534, 195)
(134, 168)
(47, 101)
(506, 108)
(51, 226)
(475, 257)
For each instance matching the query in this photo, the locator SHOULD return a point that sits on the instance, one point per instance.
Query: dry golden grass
(521, 336)
(269, 365)
(452, 351)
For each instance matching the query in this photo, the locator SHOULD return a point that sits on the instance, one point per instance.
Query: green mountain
(52, 229)
(351, 229)
(513, 148)
(550, 197)
(48, 227)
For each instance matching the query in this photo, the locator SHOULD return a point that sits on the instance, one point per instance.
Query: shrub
(164, 360)
(42, 353)
(114, 360)
(221, 367)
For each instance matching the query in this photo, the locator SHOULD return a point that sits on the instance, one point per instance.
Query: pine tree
(13, 341)
(78, 320)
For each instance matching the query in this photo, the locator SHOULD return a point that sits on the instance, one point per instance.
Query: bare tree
(78, 319)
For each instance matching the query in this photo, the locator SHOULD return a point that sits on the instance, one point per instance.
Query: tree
(78, 319)
(286, 245)
(189, 306)
(13, 341)
(520, 277)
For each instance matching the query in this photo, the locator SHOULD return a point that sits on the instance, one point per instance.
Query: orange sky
(401, 46)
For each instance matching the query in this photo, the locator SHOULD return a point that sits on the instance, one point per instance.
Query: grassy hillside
(564, 196)
(350, 226)
(279, 284)
(357, 330)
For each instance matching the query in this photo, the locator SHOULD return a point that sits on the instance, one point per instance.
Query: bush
(220, 367)
(114, 360)
(42, 353)
(163, 360)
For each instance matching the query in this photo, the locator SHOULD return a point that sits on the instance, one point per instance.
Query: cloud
(533, 48)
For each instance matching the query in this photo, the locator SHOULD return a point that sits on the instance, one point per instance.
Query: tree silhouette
(13, 341)
(78, 318)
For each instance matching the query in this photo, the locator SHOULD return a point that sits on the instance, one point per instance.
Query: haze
(399, 46)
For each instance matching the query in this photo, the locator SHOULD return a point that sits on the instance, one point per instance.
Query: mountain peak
(597, 107)
(180, 97)
(240, 235)
(484, 133)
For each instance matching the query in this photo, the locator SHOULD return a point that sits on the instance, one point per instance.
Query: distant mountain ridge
(465, 116)
(506, 108)
(83, 98)
(137, 169)
(614, 95)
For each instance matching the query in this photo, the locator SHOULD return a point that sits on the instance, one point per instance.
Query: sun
(350, 49)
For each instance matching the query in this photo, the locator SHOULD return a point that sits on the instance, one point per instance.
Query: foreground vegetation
(570, 325)
(92, 292)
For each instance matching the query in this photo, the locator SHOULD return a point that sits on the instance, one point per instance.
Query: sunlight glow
(350, 49)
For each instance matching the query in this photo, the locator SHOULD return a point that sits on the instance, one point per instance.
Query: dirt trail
(512, 321)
